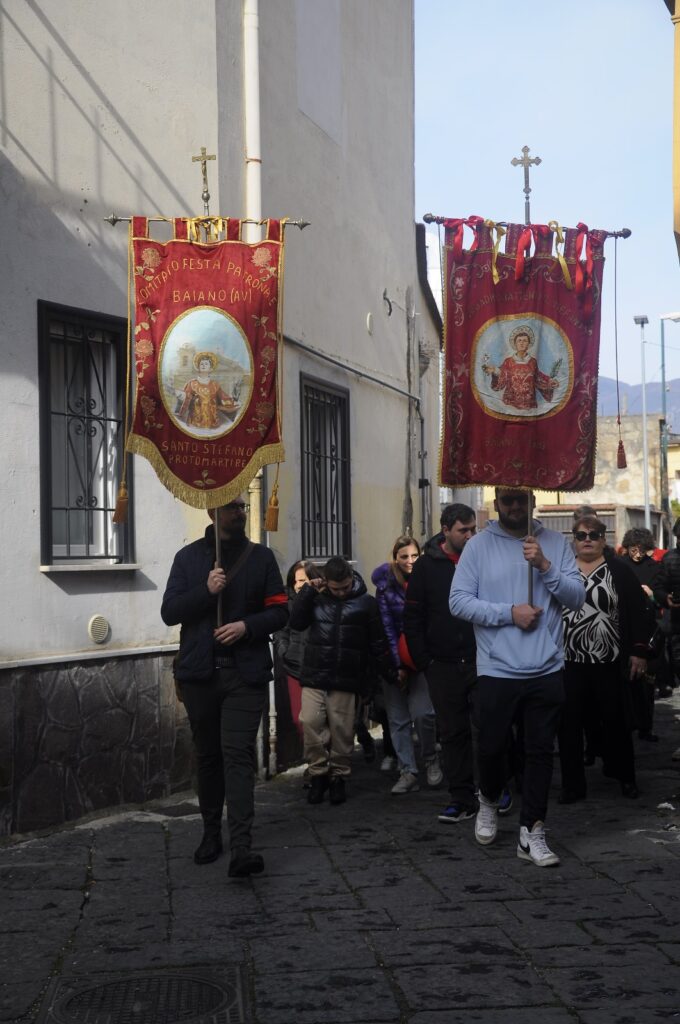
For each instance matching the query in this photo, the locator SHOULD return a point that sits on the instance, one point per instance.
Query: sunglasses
(237, 506)
(588, 535)
(513, 499)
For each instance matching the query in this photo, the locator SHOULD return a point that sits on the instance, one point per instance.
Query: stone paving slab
(636, 1016)
(600, 987)
(313, 997)
(635, 957)
(545, 1015)
(655, 929)
(304, 949)
(479, 985)
(444, 946)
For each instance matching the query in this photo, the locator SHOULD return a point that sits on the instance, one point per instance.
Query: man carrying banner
(520, 656)
(223, 670)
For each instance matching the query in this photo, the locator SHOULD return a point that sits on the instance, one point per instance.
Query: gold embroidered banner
(206, 354)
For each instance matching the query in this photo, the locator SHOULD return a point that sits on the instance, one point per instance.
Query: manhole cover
(177, 997)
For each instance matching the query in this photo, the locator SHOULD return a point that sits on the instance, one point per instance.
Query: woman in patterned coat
(605, 647)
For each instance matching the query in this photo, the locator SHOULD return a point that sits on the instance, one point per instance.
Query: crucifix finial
(526, 161)
(203, 159)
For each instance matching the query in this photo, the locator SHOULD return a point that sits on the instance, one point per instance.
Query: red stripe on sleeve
(275, 599)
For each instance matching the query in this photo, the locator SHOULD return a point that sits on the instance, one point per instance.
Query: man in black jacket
(444, 648)
(222, 671)
(345, 633)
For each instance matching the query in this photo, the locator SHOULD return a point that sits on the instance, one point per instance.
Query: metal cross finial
(526, 161)
(203, 158)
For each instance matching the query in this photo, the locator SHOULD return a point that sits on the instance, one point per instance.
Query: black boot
(209, 849)
(337, 794)
(317, 787)
(244, 862)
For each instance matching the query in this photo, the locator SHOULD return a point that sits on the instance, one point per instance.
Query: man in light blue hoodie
(520, 656)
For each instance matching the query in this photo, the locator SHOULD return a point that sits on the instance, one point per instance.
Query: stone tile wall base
(83, 736)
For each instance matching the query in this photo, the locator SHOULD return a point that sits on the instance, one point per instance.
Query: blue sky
(587, 85)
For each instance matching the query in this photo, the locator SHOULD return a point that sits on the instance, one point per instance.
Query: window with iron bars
(326, 515)
(82, 386)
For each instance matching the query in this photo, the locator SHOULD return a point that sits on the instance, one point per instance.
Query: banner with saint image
(206, 354)
(521, 341)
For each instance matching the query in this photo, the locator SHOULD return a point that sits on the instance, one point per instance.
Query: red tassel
(621, 457)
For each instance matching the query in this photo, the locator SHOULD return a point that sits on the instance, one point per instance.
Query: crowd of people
(477, 655)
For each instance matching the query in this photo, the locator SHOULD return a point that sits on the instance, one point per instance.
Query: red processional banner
(206, 352)
(521, 355)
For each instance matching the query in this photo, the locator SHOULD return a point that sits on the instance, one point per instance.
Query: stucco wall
(103, 107)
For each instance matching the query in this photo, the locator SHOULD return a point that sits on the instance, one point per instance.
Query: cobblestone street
(368, 912)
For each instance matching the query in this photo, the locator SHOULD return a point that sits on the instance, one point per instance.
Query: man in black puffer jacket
(443, 647)
(222, 671)
(345, 633)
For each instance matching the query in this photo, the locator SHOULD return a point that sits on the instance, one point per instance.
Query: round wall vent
(98, 629)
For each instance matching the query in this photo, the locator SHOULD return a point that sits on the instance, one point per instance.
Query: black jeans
(451, 686)
(600, 693)
(537, 701)
(225, 713)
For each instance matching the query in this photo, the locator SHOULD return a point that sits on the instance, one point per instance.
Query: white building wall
(103, 106)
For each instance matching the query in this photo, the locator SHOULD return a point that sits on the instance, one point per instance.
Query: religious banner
(206, 354)
(521, 355)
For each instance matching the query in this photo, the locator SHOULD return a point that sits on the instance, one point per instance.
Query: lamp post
(641, 321)
(665, 503)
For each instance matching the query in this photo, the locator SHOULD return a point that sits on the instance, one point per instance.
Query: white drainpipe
(253, 233)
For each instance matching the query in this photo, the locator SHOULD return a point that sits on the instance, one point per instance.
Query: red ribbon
(456, 226)
(534, 231)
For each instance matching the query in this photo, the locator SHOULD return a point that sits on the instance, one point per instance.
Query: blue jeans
(404, 707)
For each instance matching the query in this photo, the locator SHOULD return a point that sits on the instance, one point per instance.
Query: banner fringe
(197, 497)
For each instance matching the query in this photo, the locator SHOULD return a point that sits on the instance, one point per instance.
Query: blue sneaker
(505, 802)
(456, 813)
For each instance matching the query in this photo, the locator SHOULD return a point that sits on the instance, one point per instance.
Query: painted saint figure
(204, 404)
(519, 377)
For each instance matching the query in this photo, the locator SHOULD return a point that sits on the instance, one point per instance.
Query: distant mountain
(631, 399)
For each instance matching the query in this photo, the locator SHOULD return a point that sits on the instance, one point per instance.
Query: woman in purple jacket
(408, 701)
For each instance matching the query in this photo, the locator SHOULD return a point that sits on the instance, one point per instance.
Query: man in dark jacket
(345, 632)
(444, 648)
(222, 670)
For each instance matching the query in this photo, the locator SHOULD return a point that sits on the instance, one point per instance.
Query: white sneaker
(388, 764)
(486, 822)
(435, 775)
(533, 847)
(406, 783)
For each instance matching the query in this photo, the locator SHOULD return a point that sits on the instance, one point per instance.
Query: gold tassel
(121, 512)
(621, 457)
(271, 519)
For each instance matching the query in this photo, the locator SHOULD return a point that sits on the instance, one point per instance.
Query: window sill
(91, 567)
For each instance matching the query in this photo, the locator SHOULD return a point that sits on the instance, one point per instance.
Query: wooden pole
(218, 561)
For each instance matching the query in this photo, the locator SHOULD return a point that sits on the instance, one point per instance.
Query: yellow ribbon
(212, 228)
(499, 235)
(559, 240)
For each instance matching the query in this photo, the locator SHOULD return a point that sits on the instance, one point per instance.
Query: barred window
(82, 385)
(326, 517)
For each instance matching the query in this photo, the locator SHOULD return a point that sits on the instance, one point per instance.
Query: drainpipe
(253, 233)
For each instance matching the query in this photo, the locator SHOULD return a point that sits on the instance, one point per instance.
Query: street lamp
(641, 321)
(665, 504)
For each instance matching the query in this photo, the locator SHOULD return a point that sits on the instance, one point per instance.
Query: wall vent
(98, 629)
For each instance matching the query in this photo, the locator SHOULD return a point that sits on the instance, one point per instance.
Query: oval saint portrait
(205, 372)
(522, 367)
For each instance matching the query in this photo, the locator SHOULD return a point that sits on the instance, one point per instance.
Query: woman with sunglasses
(605, 647)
